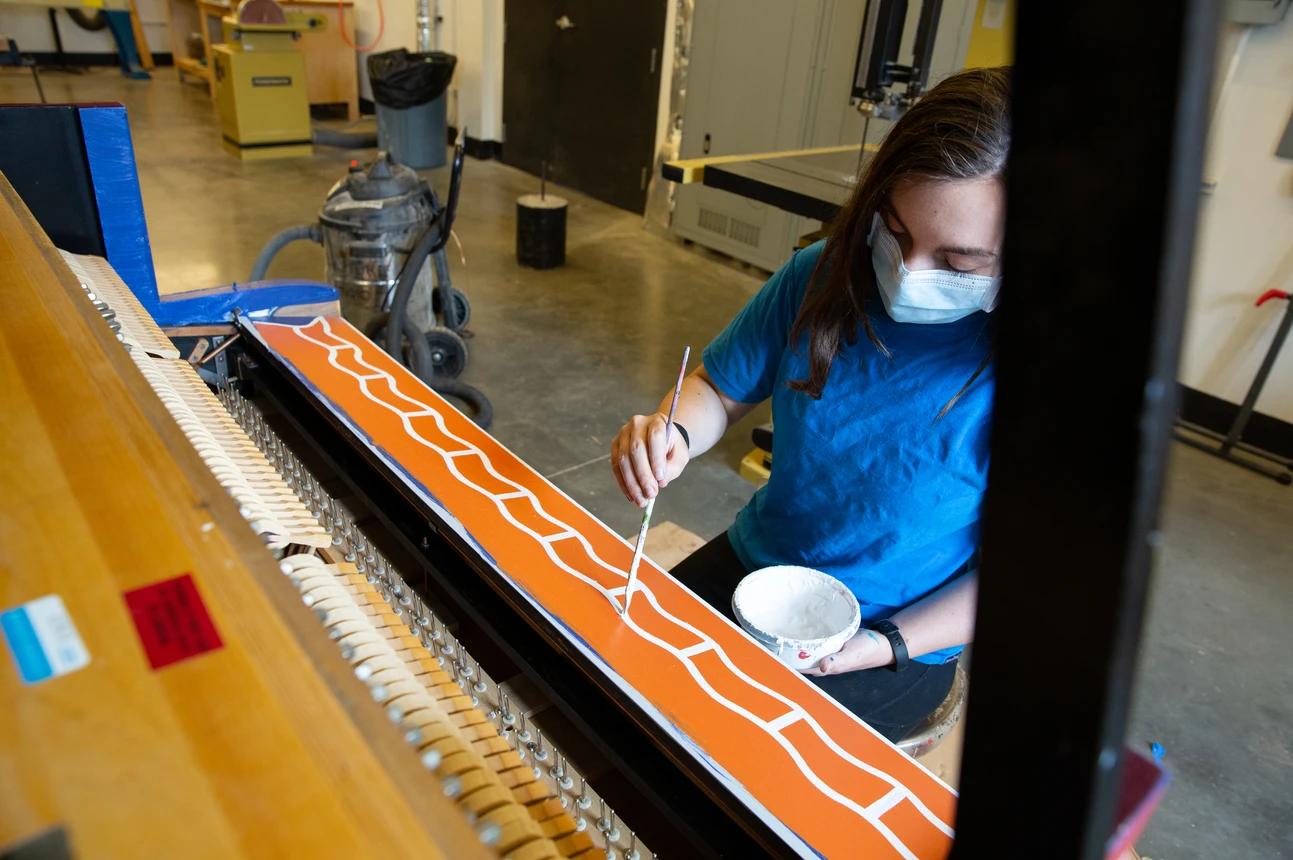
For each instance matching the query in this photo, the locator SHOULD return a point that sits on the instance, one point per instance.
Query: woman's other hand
(641, 460)
(866, 650)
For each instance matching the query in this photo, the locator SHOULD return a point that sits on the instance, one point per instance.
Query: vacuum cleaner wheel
(448, 351)
(460, 304)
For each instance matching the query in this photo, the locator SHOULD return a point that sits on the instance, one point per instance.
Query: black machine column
(1110, 103)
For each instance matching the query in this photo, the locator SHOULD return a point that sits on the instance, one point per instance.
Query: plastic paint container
(797, 613)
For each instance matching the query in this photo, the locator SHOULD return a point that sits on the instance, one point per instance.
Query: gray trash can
(417, 136)
(410, 93)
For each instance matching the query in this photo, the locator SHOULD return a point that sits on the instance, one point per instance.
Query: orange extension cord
(381, 26)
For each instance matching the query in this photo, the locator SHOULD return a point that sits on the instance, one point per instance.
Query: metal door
(581, 84)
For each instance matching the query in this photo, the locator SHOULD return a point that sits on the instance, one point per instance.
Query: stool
(926, 737)
(756, 467)
(11, 56)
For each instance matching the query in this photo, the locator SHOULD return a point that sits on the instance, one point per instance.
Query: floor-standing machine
(260, 81)
(383, 230)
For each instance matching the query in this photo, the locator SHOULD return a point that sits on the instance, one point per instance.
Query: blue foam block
(209, 307)
(111, 156)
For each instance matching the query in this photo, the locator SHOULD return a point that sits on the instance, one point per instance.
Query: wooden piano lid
(259, 744)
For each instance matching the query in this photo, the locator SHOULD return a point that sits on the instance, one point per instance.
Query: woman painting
(875, 348)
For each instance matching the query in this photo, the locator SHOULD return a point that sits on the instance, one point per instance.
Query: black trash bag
(403, 80)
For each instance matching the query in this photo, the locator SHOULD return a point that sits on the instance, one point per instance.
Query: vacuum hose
(472, 396)
(278, 242)
(399, 326)
(448, 307)
(423, 248)
(326, 136)
(423, 366)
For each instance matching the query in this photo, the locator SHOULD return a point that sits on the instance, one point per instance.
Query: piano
(273, 596)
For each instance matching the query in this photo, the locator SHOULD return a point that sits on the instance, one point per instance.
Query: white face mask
(927, 296)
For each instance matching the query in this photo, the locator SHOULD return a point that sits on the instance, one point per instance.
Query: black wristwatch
(682, 431)
(889, 630)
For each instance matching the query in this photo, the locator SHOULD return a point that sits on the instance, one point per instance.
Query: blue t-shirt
(866, 485)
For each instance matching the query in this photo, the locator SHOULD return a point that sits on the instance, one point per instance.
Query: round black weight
(448, 351)
(541, 231)
(460, 304)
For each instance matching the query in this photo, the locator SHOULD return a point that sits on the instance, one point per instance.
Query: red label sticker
(172, 621)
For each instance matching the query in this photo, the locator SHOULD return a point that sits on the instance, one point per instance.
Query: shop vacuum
(383, 231)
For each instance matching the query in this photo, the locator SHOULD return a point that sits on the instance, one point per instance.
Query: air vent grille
(715, 222)
(744, 232)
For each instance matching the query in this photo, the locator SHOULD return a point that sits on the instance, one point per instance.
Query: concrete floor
(568, 355)
(1214, 685)
(565, 355)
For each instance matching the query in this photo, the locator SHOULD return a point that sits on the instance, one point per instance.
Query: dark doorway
(581, 81)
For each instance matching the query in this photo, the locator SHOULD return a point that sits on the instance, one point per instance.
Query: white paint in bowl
(797, 613)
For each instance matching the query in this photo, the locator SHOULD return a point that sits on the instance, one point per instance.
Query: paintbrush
(646, 516)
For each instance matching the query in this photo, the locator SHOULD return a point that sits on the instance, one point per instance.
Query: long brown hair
(960, 129)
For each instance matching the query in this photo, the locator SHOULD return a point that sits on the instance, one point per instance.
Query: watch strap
(889, 630)
(682, 431)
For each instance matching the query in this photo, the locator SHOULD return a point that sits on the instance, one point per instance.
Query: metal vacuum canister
(370, 222)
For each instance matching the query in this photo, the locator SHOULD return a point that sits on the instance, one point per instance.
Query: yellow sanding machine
(260, 81)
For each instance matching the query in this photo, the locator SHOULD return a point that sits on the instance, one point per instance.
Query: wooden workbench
(260, 744)
(331, 73)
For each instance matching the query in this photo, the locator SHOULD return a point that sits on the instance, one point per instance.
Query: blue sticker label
(43, 640)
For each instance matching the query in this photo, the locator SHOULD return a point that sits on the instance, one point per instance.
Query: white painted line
(698, 648)
(886, 803)
(786, 719)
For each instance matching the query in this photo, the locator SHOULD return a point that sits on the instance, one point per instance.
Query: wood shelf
(187, 17)
(190, 66)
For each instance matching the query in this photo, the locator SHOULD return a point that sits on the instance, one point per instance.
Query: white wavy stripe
(807, 771)
(692, 669)
(524, 491)
(546, 542)
(821, 733)
(812, 689)
(333, 349)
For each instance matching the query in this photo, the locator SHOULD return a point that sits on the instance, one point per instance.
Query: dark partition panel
(1110, 106)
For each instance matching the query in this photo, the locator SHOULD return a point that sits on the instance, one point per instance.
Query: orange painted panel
(828, 782)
